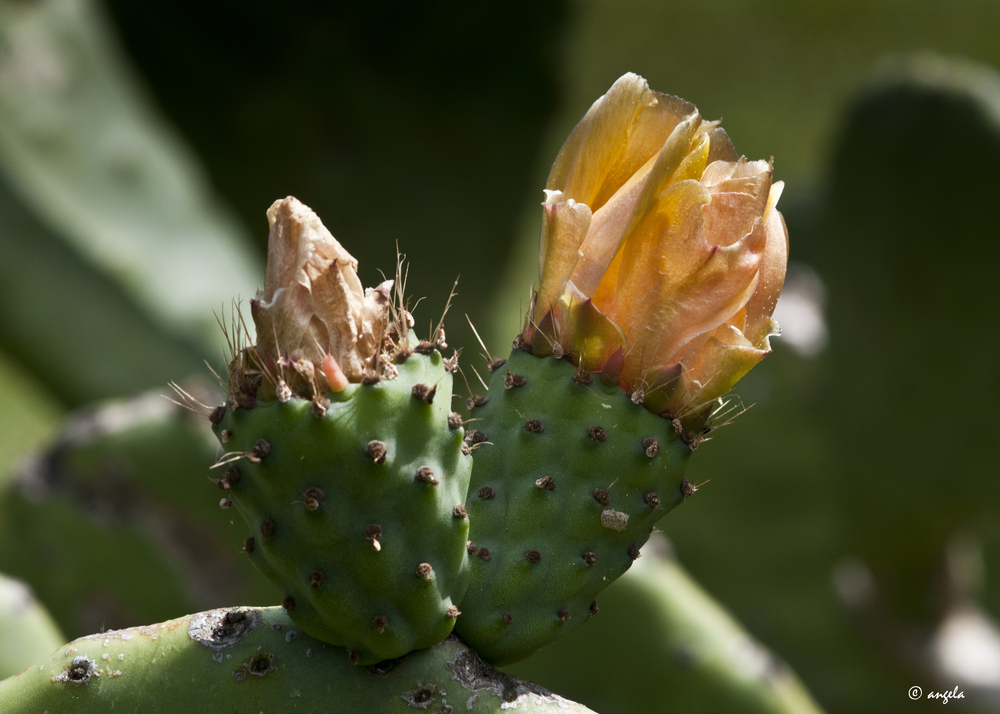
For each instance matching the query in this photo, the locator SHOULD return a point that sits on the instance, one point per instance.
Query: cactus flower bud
(313, 314)
(662, 252)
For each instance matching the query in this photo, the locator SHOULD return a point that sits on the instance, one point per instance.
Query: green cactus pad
(246, 660)
(357, 514)
(569, 479)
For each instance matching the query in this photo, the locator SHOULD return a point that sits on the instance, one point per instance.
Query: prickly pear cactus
(662, 257)
(244, 659)
(342, 454)
(570, 476)
(357, 511)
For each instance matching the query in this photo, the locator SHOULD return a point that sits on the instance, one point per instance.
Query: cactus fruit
(570, 477)
(256, 660)
(354, 491)
(662, 257)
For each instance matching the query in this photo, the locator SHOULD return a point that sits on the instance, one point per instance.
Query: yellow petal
(761, 305)
(739, 197)
(660, 175)
(564, 227)
(588, 334)
(715, 367)
(619, 133)
(673, 284)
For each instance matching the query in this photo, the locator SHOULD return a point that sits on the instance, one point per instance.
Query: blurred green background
(848, 520)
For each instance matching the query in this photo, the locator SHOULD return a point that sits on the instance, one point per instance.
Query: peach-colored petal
(721, 147)
(721, 361)
(670, 282)
(739, 196)
(619, 133)
(660, 175)
(673, 284)
(761, 305)
(587, 333)
(564, 227)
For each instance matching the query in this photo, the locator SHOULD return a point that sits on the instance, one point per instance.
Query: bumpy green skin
(248, 660)
(514, 605)
(363, 579)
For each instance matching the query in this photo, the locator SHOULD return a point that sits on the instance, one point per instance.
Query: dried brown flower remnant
(313, 314)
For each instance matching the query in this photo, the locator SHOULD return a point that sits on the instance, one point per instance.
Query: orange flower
(662, 252)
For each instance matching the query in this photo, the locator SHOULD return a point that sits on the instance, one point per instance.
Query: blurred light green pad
(84, 147)
(27, 415)
(257, 660)
(76, 332)
(27, 632)
(661, 644)
(118, 523)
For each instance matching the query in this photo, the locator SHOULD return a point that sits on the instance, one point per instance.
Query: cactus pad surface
(356, 507)
(570, 475)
